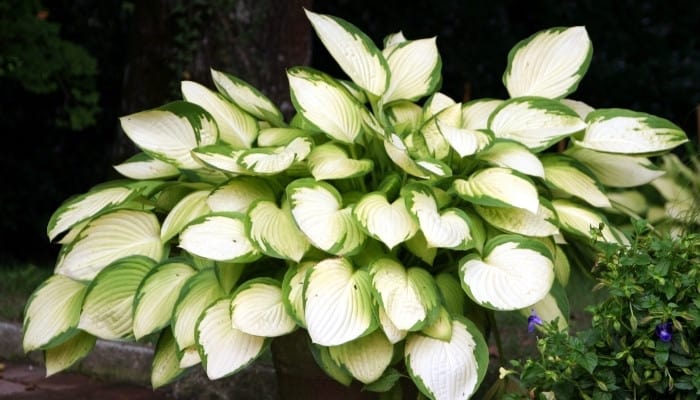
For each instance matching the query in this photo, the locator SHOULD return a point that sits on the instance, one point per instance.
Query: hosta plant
(385, 219)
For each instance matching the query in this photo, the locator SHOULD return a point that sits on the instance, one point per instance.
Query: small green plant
(644, 342)
(382, 220)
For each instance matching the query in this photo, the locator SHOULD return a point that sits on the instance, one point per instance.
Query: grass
(17, 282)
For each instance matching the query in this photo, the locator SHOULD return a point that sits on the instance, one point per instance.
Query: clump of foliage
(381, 221)
(644, 342)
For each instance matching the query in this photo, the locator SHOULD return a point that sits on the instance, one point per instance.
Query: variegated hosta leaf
(323, 358)
(570, 176)
(366, 357)
(549, 63)
(579, 220)
(630, 132)
(466, 142)
(269, 137)
(200, 291)
(536, 122)
(418, 245)
(236, 127)
(513, 155)
(170, 132)
(107, 309)
(143, 166)
(393, 334)
(165, 367)
(581, 108)
(316, 208)
(434, 168)
(247, 97)
(617, 170)
(515, 272)
(239, 193)
(393, 39)
(274, 231)
(221, 156)
(219, 237)
(404, 116)
(191, 207)
(224, 349)
(449, 228)
(409, 296)
(476, 113)
(354, 52)
(52, 313)
(562, 268)
(436, 103)
(66, 354)
(521, 221)
(432, 132)
(108, 238)
(499, 187)
(257, 309)
(440, 327)
(398, 153)
(454, 298)
(156, 296)
(87, 205)
(390, 223)
(415, 70)
(630, 202)
(446, 370)
(273, 160)
(338, 302)
(326, 104)
(330, 161)
(293, 290)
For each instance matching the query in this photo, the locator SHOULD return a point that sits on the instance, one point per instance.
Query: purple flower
(664, 331)
(533, 320)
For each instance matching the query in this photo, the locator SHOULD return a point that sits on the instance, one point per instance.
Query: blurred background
(70, 69)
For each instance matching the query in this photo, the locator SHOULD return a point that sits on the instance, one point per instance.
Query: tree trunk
(175, 40)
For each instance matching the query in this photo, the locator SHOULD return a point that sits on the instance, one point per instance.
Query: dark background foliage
(69, 69)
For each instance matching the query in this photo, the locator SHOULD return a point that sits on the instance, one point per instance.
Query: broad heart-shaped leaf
(515, 273)
(236, 127)
(223, 348)
(293, 290)
(191, 207)
(198, 293)
(513, 155)
(617, 170)
(222, 157)
(52, 313)
(273, 160)
(257, 309)
(68, 353)
(409, 296)
(446, 370)
(142, 166)
(536, 122)
(629, 132)
(170, 132)
(354, 52)
(521, 221)
(390, 223)
(274, 231)
(549, 63)
(156, 296)
(366, 357)
(107, 309)
(239, 193)
(100, 198)
(449, 228)
(326, 104)
(499, 187)
(316, 208)
(415, 70)
(247, 97)
(476, 113)
(219, 237)
(579, 220)
(165, 366)
(331, 161)
(570, 176)
(338, 302)
(108, 238)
